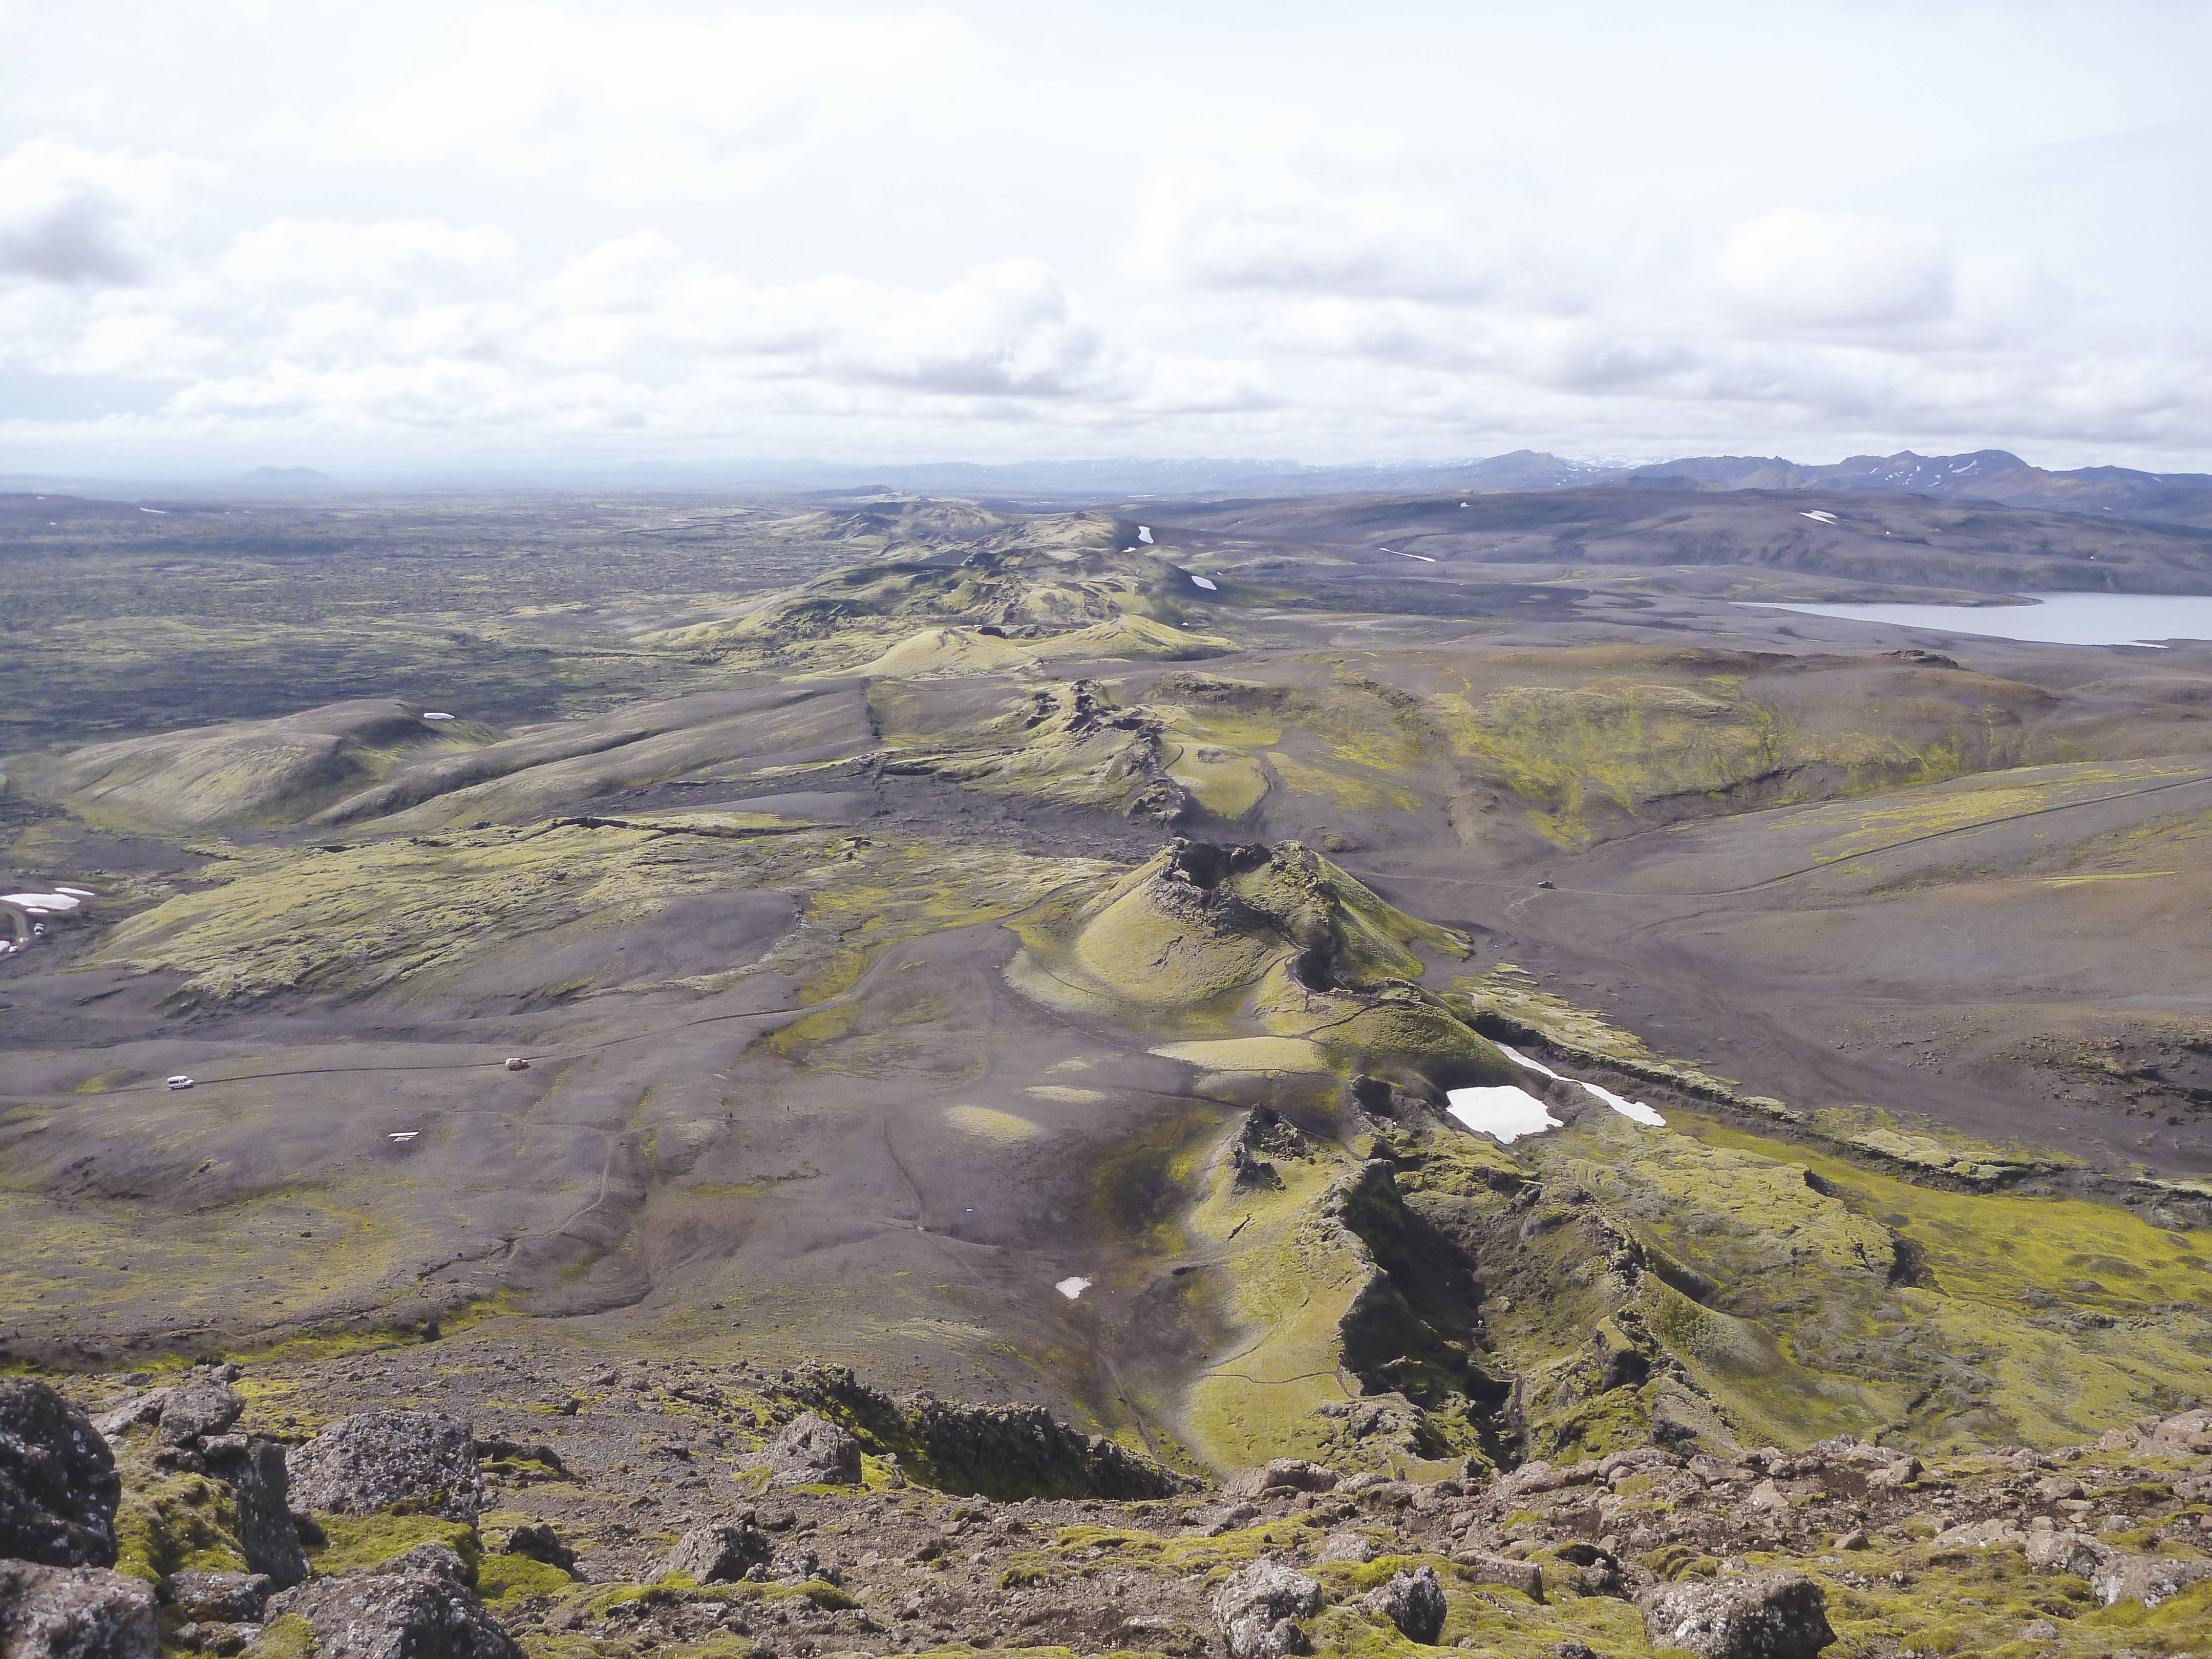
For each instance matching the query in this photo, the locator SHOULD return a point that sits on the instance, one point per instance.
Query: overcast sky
(373, 238)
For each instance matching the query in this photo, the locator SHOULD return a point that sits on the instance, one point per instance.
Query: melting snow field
(1629, 1108)
(42, 904)
(1818, 517)
(1395, 554)
(1205, 584)
(1071, 1288)
(1504, 1114)
(1145, 533)
(436, 714)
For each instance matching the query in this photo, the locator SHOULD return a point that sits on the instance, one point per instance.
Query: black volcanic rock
(73, 1613)
(267, 1534)
(1760, 1615)
(58, 1488)
(414, 1615)
(379, 1458)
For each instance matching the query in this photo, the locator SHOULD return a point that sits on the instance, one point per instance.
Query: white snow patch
(402, 1136)
(40, 901)
(76, 892)
(1818, 517)
(1145, 533)
(1073, 1287)
(1628, 1108)
(1504, 1114)
(1205, 584)
(1520, 1059)
(1395, 554)
(158, 512)
(436, 714)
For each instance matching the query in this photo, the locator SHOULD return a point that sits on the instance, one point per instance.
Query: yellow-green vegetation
(354, 1542)
(288, 1636)
(1216, 1554)
(255, 772)
(1068, 743)
(986, 1124)
(1845, 830)
(1762, 1290)
(1213, 744)
(380, 912)
(1018, 596)
(94, 1253)
(509, 1582)
(171, 1522)
(1254, 1053)
(1226, 784)
(2055, 1317)
(1281, 1279)
(428, 908)
(1347, 790)
(1590, 732)
(881, 892)
(1928, 1149)
(1203, 945)
(933, 651)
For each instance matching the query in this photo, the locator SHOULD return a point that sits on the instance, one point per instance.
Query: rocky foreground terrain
(468, 1498)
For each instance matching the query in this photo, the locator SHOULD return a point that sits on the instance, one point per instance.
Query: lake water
(2053, 619)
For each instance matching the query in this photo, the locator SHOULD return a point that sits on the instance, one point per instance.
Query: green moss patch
(353, 1543)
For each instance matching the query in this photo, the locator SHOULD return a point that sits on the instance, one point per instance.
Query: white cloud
(78, 217)
(1362, 231)
(1838, 270)
(411, 259)
(635, 108)
(869, 227)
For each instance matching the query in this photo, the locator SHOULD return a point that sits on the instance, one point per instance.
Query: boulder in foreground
(73, 1613)
(1760, 1615)
(813, 1451)
(382, 1459)
(216, 1598)
(1258, 1606)
(255, 1472)
(719, 1555)
(58, 1487)
(1413, 1602)
(416, 1615)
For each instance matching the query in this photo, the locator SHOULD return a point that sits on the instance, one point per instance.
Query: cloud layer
(398, 238)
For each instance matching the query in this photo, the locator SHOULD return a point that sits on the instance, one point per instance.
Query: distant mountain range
(1985, 475)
